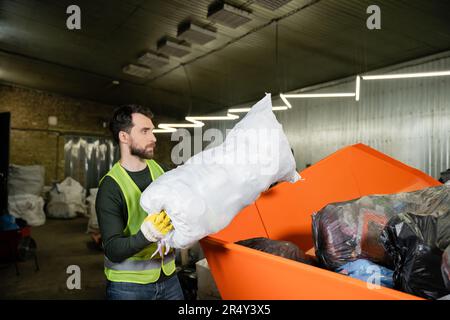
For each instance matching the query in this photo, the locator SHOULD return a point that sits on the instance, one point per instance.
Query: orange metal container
(284, 213)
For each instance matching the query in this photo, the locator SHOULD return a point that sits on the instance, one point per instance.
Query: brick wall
(34, 141)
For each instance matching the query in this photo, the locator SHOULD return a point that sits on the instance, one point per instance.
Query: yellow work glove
(156, 226)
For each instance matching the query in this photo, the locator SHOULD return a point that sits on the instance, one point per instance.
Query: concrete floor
(60, 243)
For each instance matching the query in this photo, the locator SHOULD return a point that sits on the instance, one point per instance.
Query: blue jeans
(169, 289)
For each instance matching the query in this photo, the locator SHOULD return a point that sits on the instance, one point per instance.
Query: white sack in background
(26, 179)
(202, 196)
(28, 207)
(66, 200)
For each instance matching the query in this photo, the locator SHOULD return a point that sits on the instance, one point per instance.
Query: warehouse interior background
(60, 87)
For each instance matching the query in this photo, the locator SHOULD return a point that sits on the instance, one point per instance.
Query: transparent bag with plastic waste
(202, 196)
(350, 230)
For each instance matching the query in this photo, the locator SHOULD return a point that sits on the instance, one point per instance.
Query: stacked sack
(25, 185)
(67, 200)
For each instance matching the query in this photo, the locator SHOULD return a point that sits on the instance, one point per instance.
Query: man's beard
(141, 152)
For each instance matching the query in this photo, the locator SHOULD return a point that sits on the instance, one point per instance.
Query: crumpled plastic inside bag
(202, 196)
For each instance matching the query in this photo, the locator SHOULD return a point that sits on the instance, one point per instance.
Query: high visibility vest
(140, 268)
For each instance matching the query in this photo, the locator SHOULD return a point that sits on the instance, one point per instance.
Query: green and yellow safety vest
(140, 268)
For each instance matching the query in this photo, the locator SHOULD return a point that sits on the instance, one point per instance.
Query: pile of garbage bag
(350, 230)
(25, 186)
(405, 232)
(416, 244)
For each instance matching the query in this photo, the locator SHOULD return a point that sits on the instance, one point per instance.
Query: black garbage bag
(445, 176)
(445, 267)
(285, 249)
(416, 244)
(347, 231)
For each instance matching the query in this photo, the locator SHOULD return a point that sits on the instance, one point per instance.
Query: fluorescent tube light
(407, 75)
(320, 95)
(358, 87)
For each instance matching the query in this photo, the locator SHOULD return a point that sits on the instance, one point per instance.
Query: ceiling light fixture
(229, 116)
(358, 87)
(272, 4)
(279, 108)
(239, 110)
(172, 48)
(285, 100)
(244, 110)
(228, 15)
(167, 127)
(192, 32)
(407, 75)
(137, 71)
(320, 95)
(288, 105)
(195, 121)
(153, 60)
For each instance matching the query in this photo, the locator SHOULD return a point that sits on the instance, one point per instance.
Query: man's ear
(123, 137)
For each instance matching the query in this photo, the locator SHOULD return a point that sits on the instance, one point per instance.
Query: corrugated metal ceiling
(313, 42)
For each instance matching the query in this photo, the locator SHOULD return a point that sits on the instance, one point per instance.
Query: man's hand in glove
(156, 226)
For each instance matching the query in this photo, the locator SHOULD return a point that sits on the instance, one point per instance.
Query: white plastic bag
(202, 196)
(28, 207)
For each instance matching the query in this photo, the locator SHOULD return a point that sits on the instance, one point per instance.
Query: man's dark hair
(122, 120)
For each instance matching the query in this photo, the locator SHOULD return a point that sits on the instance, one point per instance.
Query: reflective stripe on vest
(139, 268)
(139, 265)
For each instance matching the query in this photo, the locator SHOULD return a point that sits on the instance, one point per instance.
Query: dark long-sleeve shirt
(112, 214)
